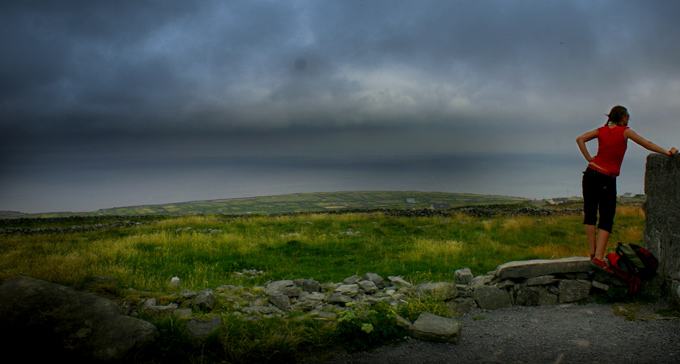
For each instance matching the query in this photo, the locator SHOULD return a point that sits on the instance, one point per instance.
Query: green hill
(302, 202)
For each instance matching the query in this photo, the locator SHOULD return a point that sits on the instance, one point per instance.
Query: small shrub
(365, 328)
(424, 303)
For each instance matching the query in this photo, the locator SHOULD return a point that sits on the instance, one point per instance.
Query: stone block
(375, 278)
(533, 296)
(286, 287)
(350, 290)
(463, 276)
(491, 297)
(368, 286)
(662, 210)
(540, 281)
(431, 327)
(441, 290)
(307, 285)
(573, 290)
(281, 301)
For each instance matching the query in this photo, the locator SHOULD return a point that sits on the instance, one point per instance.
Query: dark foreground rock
(42, 320)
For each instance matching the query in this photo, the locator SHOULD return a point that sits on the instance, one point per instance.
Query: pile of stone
(540, 282)
(97, 328)
(528, 283)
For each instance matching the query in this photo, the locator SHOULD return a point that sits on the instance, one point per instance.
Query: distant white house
(411, 200)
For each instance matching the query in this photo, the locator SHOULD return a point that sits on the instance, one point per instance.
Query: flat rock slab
(543, 267)
(431, 327)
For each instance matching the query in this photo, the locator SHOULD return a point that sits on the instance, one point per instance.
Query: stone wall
(662, 234)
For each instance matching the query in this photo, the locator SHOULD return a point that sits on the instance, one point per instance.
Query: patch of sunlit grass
(518, 222)
(632, 235)
(554, 251)
(630, 210)
(424, 248)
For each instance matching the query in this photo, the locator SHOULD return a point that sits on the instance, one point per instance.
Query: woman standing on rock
(599, 179)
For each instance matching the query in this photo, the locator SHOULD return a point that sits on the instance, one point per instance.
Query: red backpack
(632, 263)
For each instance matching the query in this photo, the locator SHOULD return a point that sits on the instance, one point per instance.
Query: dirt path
(571, 333)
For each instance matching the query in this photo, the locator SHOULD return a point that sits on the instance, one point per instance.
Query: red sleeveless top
(611, 146)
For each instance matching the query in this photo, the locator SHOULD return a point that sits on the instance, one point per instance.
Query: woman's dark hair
(617, 113)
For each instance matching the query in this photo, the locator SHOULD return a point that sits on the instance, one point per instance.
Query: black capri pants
(599, 193)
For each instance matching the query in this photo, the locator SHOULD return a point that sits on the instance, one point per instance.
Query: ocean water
(87, 186)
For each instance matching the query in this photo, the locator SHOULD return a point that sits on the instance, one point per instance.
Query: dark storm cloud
(138, 65)
(138, 82)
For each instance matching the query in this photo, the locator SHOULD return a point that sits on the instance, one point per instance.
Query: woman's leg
(602, 239)
(590, 208)
(607, 212)
(591, 235)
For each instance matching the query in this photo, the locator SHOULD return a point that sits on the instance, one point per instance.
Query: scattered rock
(175, 283)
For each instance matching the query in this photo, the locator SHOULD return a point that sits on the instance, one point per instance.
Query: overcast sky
(87, 84)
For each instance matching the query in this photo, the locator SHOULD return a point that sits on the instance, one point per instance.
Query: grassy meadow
(206, 251)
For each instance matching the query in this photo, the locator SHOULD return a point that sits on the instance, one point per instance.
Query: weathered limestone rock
(285, 287)
(307, 285)
(205, 300)
(281, 301)
(352, 280)
(399, 282)
(338, 298)
(481, 280)
(573, 290)
(159, 311)
(375, 278)
(491, 297)
(442, 290)
(200, 329)
(368, 286)
(540, 281)
(431, 327)
(662, 233)
(463, 276)
(542, 267)
(350, 290)
(54, 320)
(175, 283)
(525, 295)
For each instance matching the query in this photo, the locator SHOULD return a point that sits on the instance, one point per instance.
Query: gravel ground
(570, 333)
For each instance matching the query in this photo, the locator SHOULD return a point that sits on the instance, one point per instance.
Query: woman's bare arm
(630, 134)
(581, 141)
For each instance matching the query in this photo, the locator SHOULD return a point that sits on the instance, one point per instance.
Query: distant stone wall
(662, 209)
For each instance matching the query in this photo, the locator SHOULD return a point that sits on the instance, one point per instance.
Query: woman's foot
(601, 265)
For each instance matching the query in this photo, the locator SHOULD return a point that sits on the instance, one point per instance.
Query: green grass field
(205, 249)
